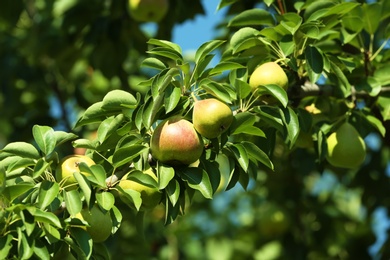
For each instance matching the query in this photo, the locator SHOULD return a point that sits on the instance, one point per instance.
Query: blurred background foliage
(58, 57)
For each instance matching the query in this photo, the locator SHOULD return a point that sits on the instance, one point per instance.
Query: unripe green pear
(346, 148)
(148, 10)
(151, 196)
(265, 74)
(100, 223)
(175, 141)
(211, 117)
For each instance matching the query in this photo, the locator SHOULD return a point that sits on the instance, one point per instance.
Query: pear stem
(194, 97)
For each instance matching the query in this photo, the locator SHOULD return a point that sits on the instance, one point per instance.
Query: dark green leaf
(94, 114)
(167, 53)
(197, 179)
(63, 137)
(315, 63)
(241, 155)
(245, 38)
(173, 191)
(14, 191)
(291, 122)
(40, 167)
(225, 66)
(256, 154)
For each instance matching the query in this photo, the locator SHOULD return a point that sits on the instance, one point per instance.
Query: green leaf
(165, 174)
(223, 3)
(372, 14)
(105, 199)
(25, 245)
(245, 38)
(291, 22)
(44, 137)
(172, 98)
(2, 180)
(85, 143)
(206, 48)
(167, 53)
(217, 90)
(98, 174)
(241, 121)
(83, 241)
(370, 85)
(153, 63)
(240, 154)
(5, 245)
(377, 124)
(276, 91)
(48, 191)
(94, 114)
(21, 149)
(20, 163)
(173, 191)
(131, 197)
(291, 122)
(197, 179)
(343, 82)
(243, 88)
(256, 154)
(40, 250)
(44, 216)
(108, 126)
(315, 63)
(51, 233)
(384, 107)
(63, 137)
(252, 17)
(225, 66)
(14, 191)
(72, 202)
(40, 167)
(118, 99)
(126, 154)
(84, 185)
(166, 44)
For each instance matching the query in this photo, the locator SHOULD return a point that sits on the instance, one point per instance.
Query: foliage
(335, 54)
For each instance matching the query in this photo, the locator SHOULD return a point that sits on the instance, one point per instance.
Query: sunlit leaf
(118, 99)
(197, 179)
(72, 202)
(21, 149)
(206, 48)
(252, 17)
(126, 154)
(44, 137)
(173, 191)
(153, 63)
(165, 174)
(48, 191)
(105, 199)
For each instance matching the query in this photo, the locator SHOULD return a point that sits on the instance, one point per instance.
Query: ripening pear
(211, 117)
(265, 74)
(148, 10)
(346, 148)
(175, 141)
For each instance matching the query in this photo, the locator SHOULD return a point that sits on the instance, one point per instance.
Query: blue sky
(191, 34)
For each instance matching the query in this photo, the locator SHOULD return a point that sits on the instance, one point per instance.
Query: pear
(346, 148)
(211, 117)
(148, 10)
(175, 141)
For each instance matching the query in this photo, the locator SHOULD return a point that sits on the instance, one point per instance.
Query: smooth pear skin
(211, 117)
(346, 148)
(150, 196)
(70, 164)
(148, 10)
(175, 141)
(268, 73)
(100, 223)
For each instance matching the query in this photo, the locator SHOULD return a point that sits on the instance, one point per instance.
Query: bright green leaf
(118, 99)
(197, 179)
(72, 202)
(252, 17)
(48, 191)
(105, 199)
(126, 154)
(21, 149)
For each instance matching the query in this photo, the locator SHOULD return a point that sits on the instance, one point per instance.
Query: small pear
(346, 148)
(211, 117)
